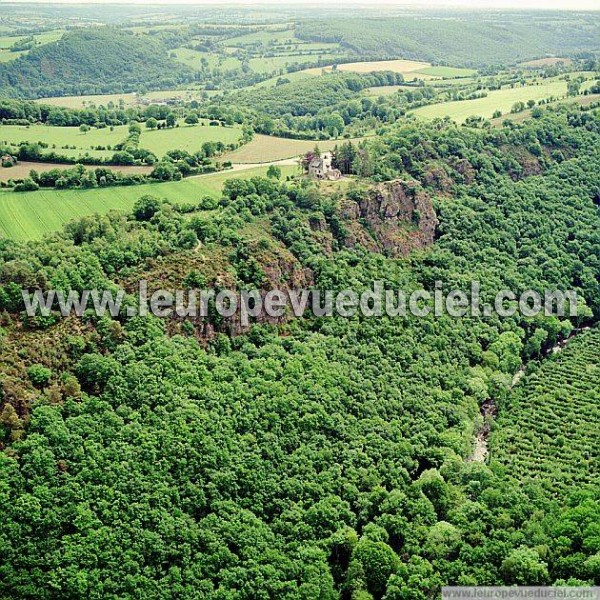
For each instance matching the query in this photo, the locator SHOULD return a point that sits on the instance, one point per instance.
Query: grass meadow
(22, 170)
(189, 137)
(57, 137)
(264, 148)
(31, 215)
(502, 100)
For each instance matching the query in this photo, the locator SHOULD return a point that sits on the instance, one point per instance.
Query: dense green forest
(500, 40)
(313, 458)
(547, 429)
(92, 61)
(217, 54)
(308, 97)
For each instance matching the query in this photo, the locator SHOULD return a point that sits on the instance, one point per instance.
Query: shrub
(39, 375)
(146, 207)
(27, 185)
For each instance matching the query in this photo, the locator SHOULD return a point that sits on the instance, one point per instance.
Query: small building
(320, 167)
(7, 160)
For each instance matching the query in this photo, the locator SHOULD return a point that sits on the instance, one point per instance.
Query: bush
(192, 119)
(146, 207)
(39, 375)
(27, 185)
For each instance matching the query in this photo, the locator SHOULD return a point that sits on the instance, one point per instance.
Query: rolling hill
(97, 60)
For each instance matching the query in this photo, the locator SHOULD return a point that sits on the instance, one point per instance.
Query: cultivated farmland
(30, 215)
(548, 429)
(502, 100)
(264, 148)
(23, 168)
(57, 137)
(188, 137)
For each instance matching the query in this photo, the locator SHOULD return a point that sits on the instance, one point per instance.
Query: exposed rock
(465, 169)
(436, 177)
(394, 217)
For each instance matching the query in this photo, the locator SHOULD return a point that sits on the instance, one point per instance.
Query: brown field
(128, 99)
(264, 149)
(82, 101)
(405, 67)
(386, 90)
(21, 170)
(546, 62)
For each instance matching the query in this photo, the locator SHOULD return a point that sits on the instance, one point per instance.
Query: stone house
(320, 167)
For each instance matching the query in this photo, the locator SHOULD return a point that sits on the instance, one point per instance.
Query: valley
(333, 454)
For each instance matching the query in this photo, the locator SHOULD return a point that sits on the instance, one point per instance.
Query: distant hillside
(309, 96)
(92, 61)
(461, 40)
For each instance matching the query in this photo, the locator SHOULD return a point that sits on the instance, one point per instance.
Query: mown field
(41, 38)
(128, 99)
(548, 429)
(83, 101)
(30, 215)
(185, 136)
(264, 148)
(546, 62)
(410, 69)
(447, 72)
(57, 137)
(193, 59)
(397, 66)
(22, 169)
(502, 100)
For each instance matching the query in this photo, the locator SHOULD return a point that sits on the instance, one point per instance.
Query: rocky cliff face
(394, 218)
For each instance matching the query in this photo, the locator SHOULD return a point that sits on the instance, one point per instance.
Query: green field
(30, 215)
(193, 58)
(265, 148)
(41, 38)
(65, 136)
(526, 114)
(273, 63)
(23, 168)
(187, 137)
(548, 429)
(158, 141)
(384, 90)
(502, 100)
(447, 72)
